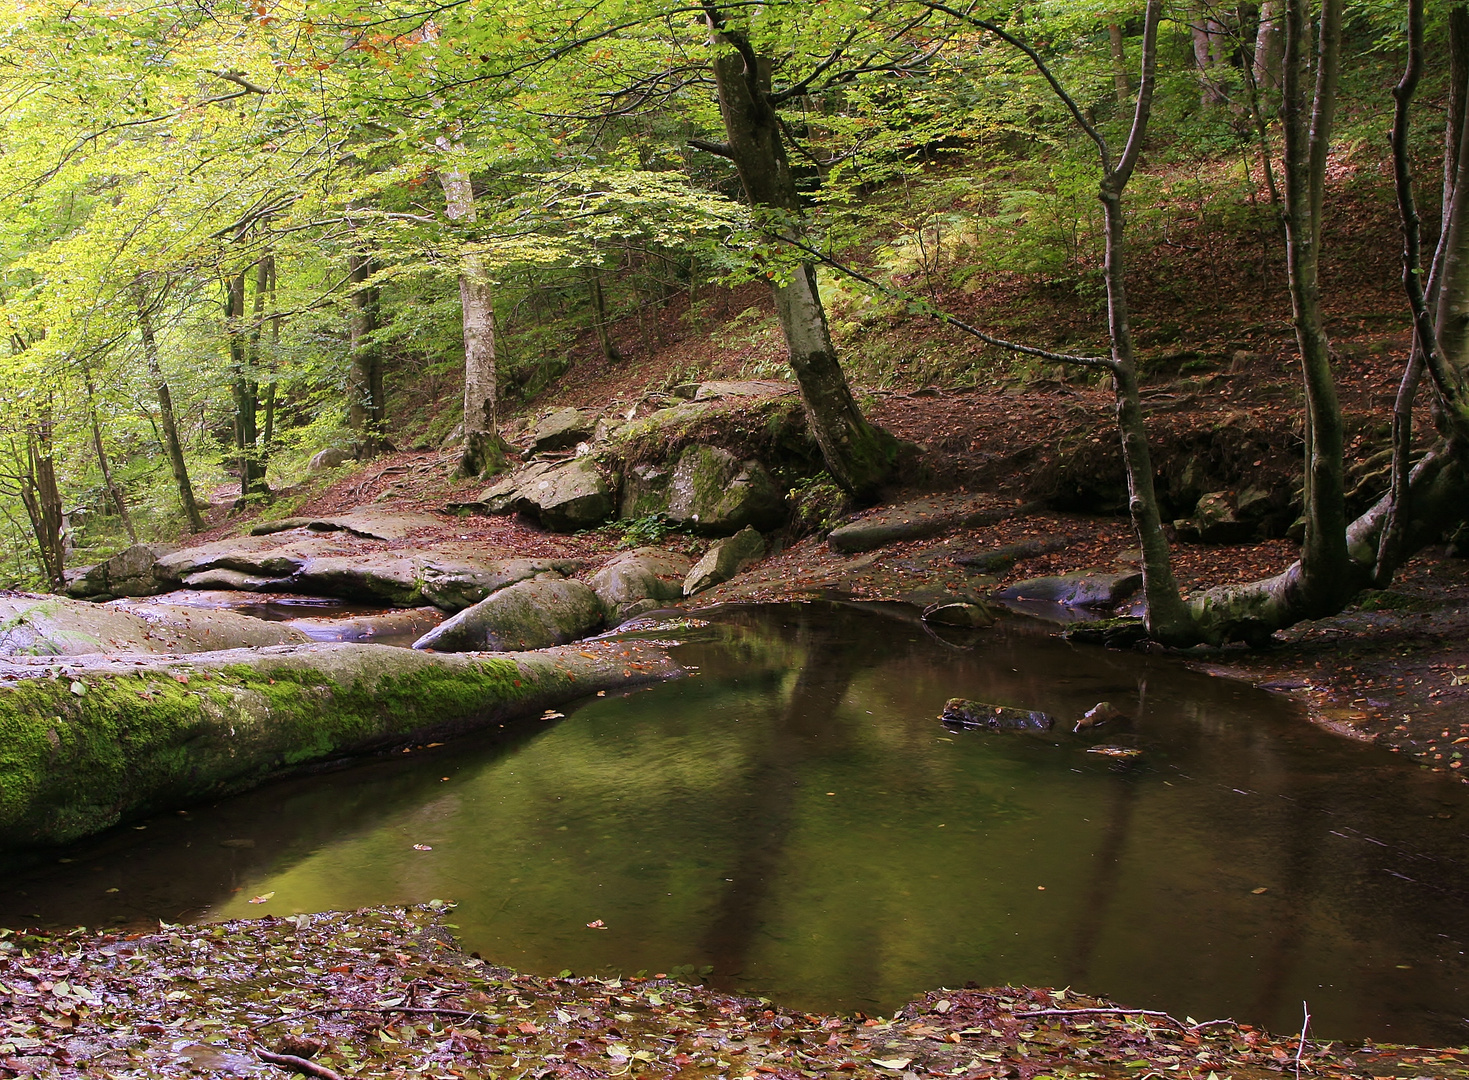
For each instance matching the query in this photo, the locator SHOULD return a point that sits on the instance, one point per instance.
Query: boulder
(1103, 712)
(365, 521)
(716, 389)
(639, 581)
(128, 573)
(53, 626)
(644, 491)
(529, 615)
(500, 497)
(724, 560)
(333, 457)
(571, 496)
(913, 521)
(220, 578)
(1217, 522)
(978, 714)
(562, 429)
(258, 556)
(718, 494)
(1080, 588)
(453, 585)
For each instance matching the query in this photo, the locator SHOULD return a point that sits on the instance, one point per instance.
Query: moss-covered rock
(715, 493)
(100, 741)
(639, 581)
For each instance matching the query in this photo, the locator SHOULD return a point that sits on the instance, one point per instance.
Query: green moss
(72, 764)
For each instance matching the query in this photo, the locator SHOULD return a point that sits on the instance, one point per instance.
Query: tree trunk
(481, 431)
(859, 456)
(365, 408)
(173, 447)
(1266, 64)
(109, 482)
(1119, 65)
(610, 352)
(246, 391)
(1208, 42)
(42, 499)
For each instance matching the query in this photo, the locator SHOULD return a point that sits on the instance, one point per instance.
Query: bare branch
(721, 149)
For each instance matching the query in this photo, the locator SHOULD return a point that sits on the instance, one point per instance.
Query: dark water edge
(795, 818)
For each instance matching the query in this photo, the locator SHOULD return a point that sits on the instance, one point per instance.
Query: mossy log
(93, 742)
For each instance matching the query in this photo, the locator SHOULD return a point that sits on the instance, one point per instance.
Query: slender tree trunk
(173, 446)
(246, 391)
(365, 408)
(109, 482)
(42, 499)
(610, 352)
(1119, 65)
(1208, 41)
(481, 430)
(859, 456)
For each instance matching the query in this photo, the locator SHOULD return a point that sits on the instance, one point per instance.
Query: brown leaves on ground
(385, 993)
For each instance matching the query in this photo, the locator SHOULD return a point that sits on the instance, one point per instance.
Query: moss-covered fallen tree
(93, 741)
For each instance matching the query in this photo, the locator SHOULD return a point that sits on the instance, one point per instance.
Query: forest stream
(793, 820)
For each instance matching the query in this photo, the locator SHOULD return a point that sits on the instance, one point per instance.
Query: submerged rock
(640, 581)
(1103, 712)
(958, 613)
(529, 615)
(978, 714)
(724, 560)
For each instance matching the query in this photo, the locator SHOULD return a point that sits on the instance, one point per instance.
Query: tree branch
(721, 149)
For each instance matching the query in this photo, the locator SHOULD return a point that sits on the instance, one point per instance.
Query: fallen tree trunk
(110, 740)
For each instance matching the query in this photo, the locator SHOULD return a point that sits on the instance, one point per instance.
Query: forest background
(235, 234)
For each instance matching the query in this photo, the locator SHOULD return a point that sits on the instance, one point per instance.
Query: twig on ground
(409, 1010)
(1301, 1046)
(1110, 1012)
(299, 1064)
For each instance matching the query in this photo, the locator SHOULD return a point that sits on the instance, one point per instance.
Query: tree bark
(1119, 65)
(109, 482)
(1208, 41)
(366, 410)
(173, 446)
(481, 431)
(42, 499)
(609, 351)
(245, 387)
(1265, 66)
(859, 456)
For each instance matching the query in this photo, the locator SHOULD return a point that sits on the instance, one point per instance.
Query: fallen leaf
(892, 1063)
(422, 847)
(596, 924)
(262, 898)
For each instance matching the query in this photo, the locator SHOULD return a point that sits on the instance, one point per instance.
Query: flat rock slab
(54, 626)
(386, 628)
(914, 521)
(364, 521)
(1080, 588)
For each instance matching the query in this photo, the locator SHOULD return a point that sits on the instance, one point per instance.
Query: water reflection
(795, 817)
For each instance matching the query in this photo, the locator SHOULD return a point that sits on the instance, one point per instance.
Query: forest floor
(385, 992)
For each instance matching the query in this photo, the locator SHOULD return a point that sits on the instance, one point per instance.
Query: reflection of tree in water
(799, 732)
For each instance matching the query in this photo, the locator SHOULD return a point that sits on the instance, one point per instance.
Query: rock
(403, 624)
(1253, 504)
(644, 491)
(258, 556)
(53, 626)
(958, 613)
(453, 585)
(1119, 633)
(331, 458)
(1217, 522)
(528, 615)
(220, 578)
(562, 429)
(143, 737)
(364, 521)
(718, 494)
(978, 714)
(913, 521)
(565, 497)
(1080, 588)
(1103, 712)
(995, 560)
(569, 497)
(128, 573)
(724, 560)
(716, 389)
(639, 581)
(1122, 754)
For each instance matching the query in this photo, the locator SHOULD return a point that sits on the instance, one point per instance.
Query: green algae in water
(795, 817)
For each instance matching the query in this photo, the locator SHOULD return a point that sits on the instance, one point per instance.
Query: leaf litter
(386, 992)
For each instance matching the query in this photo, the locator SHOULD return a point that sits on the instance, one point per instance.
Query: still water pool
(795, 818)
